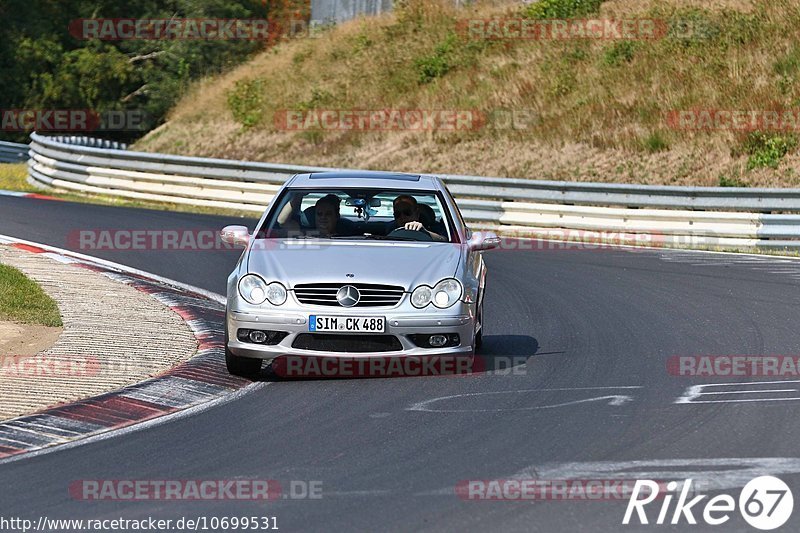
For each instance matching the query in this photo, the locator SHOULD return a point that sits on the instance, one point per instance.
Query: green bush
(732, 181)
(319, 98)
(246, 102)
(767, 150)
(561, 9)
(655, 142)
(438, 63)
(361, 42)
(789, 63)
(619, 52)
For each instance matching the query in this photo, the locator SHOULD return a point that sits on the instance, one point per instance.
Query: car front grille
(323, 342)
(372, 295)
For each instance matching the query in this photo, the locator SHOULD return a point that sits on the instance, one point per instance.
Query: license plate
(347, 324)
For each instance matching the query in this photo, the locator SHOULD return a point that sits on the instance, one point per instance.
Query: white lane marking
(615, 399)
(60, 258)
(758, 263)
(746, 391)
(358, 493)
(710, 472)
(117, 266)
(706, 474)
(696, 391)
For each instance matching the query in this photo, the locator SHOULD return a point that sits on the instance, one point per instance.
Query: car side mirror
(235, 235)
(483, 240)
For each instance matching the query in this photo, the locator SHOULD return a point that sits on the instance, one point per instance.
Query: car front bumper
(399, 323)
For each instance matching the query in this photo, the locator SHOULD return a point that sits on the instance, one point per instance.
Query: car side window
(460, 219)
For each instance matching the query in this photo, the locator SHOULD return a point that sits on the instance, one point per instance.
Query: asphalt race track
(589, 332)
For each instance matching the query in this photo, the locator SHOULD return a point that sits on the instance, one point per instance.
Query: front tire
(478, 342)
(245, 367)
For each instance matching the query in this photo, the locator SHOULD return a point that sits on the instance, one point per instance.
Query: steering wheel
(417, 235)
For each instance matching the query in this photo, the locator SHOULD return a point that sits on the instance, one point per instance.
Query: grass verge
(22, 300)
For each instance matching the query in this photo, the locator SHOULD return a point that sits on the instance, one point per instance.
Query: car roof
(366, 178)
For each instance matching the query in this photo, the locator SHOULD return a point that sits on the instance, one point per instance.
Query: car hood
(394, 263)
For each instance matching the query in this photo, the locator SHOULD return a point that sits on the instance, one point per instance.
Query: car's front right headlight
(253, 289)
(276, 293)
(421, 296)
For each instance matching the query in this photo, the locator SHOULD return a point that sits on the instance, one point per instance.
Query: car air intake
(371, 295)
(321, 342)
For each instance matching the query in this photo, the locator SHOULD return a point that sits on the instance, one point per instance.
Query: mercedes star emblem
(348, 296)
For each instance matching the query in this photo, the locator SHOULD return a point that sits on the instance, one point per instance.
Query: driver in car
(407, 214)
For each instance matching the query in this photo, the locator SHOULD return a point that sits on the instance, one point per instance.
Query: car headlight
(256, 291)
(253, 289)
(446, 293)
(276, 293)
(421, 296)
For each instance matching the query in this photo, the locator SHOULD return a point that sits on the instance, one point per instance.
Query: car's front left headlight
(446, 293)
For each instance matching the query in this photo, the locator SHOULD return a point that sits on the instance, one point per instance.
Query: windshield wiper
(387, 238)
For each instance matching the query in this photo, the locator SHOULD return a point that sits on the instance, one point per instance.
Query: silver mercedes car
(356, 264)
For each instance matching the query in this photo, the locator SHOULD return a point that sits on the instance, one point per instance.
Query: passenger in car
(326, 215)
(407, 216)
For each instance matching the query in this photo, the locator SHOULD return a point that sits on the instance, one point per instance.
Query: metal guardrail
(13, 152)
(673, 216)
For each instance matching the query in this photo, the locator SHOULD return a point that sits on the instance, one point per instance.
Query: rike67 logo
(765, 503)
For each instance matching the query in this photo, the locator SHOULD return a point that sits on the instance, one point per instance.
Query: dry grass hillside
(593, 110)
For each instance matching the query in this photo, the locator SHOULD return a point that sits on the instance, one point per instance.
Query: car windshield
(359, 214)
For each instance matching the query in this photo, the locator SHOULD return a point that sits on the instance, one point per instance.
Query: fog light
(258, 336)
(437, 340)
